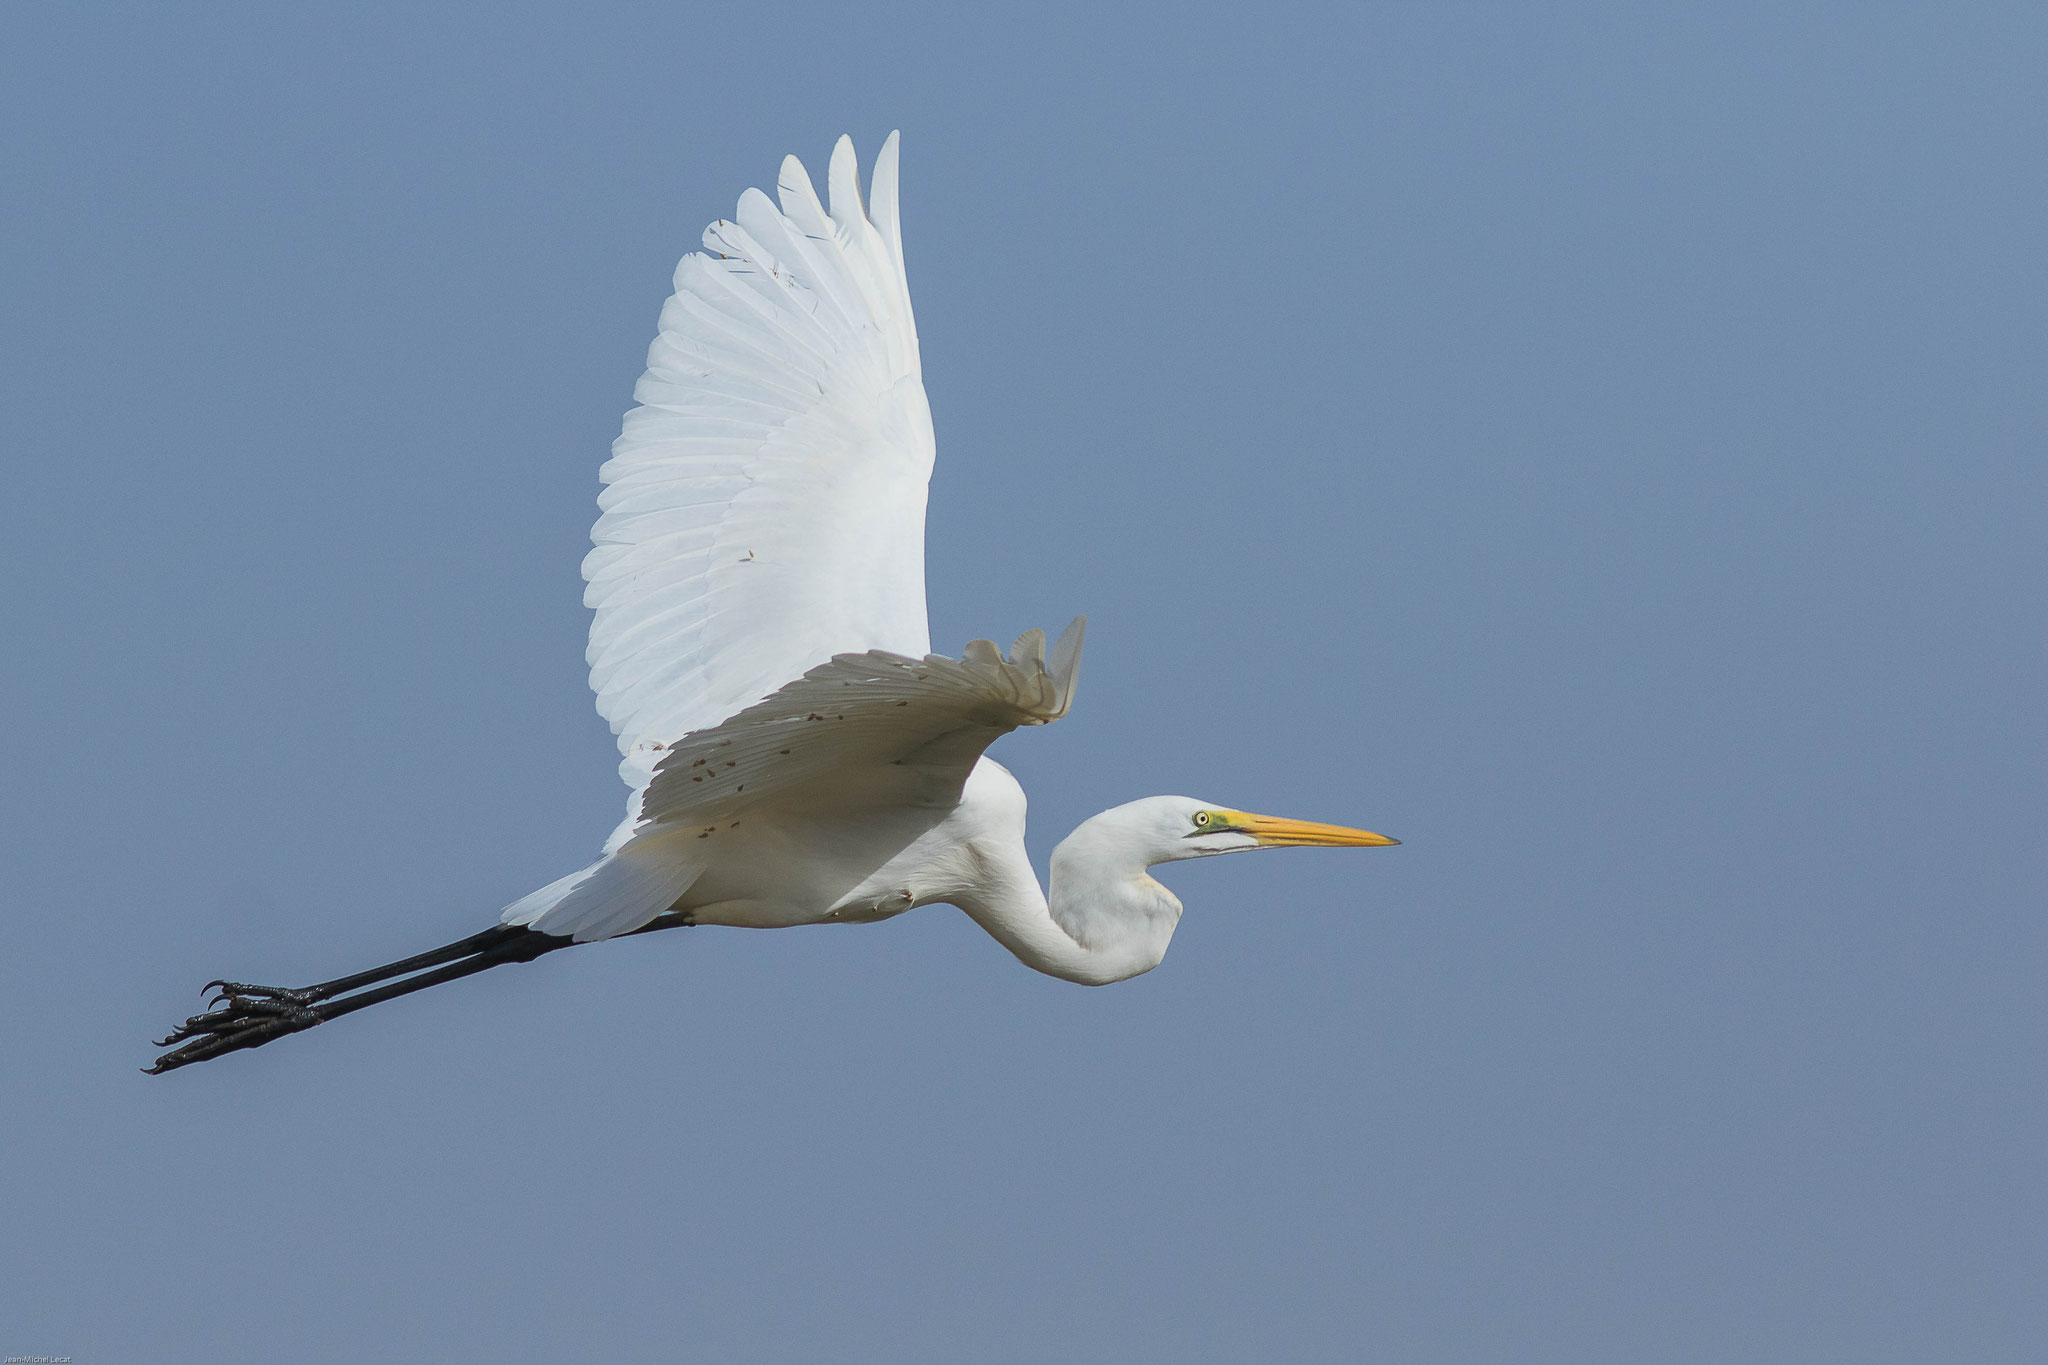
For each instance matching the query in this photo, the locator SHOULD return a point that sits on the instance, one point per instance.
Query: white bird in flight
(795, 752)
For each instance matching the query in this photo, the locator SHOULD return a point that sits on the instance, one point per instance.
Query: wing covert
(862, 722)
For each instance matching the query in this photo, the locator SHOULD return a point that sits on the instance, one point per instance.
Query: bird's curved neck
(1105, 920)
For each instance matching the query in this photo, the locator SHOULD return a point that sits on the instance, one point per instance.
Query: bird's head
(1123, 919)
(1175, 827)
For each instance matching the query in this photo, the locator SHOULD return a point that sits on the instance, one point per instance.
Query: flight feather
(764, 504)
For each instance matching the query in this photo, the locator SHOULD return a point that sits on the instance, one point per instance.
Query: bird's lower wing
(865, 718)
(865, 728)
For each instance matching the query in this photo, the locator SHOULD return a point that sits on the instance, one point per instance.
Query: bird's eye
(1201, 819)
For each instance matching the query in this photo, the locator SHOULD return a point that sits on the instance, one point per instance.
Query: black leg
(246, 1016)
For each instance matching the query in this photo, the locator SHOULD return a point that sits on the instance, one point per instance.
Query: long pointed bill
(1273, 832)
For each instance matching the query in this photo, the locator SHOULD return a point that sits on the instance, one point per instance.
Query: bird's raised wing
(764, 507)
(865, 727)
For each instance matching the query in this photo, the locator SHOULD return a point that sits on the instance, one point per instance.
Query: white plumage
(794, 752)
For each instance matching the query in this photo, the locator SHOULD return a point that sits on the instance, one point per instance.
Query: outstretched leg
(246, 1016)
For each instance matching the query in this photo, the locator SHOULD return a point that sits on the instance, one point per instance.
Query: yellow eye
(1201, 819)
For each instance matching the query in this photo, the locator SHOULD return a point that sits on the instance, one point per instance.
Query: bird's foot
(241, 1016)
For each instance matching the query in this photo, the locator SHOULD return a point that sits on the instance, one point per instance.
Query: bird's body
(793, 751)
(822, 869)
(827, 866)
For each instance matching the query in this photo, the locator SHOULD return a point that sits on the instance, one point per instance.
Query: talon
(242, 1016)
(233, 1033)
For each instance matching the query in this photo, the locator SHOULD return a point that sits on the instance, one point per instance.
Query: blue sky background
(1600, 445)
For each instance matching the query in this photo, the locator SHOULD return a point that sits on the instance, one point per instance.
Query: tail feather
(615, 895)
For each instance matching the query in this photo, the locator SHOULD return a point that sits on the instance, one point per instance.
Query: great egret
(795, 752)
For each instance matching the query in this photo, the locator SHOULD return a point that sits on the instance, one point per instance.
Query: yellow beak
(1273, 832)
